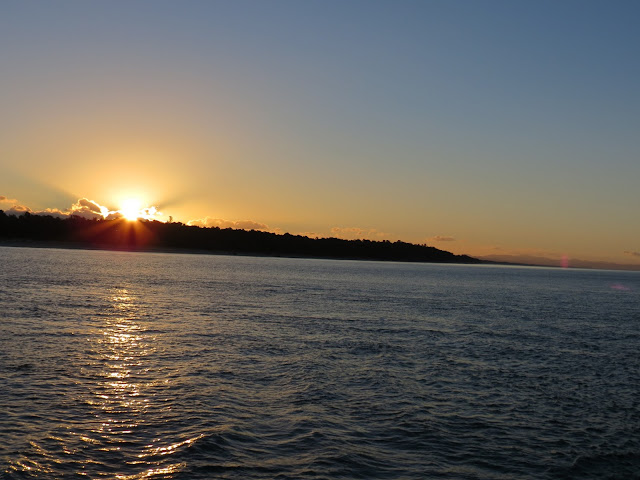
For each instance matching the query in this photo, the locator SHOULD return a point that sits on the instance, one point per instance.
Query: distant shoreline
(193, 251)
(149, 236)
(45, 231)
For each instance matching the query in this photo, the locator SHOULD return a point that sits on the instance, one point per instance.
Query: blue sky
(505, 127)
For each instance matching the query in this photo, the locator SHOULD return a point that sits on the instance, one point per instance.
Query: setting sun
(131, 209)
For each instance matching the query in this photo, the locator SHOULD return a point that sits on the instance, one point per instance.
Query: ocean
(125, 365)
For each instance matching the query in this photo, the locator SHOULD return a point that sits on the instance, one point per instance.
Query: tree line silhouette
(120, 234)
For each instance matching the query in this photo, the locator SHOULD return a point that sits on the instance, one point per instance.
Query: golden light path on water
(125, 397)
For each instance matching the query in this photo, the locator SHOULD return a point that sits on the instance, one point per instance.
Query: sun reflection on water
(123, 398)
(117, 419)
(123, 348)
(152, 472)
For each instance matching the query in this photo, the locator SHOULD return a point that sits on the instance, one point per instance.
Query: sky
(478, 127)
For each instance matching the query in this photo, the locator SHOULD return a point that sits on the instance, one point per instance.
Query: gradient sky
(479, 127)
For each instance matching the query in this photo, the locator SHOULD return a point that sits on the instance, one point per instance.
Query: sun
(131, 209)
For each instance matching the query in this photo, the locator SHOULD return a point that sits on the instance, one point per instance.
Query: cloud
(86, 208)
(82, 208)
(311, 234)
(442, 238)
(357, 233)
(114, 216)
(53, 212)
(18, 210)
(15, 208)
(220, 223)
(90, 205)
(633, 254)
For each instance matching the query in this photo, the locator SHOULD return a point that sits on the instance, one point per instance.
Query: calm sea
(124, 365)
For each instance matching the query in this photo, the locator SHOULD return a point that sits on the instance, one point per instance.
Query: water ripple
(133, 366)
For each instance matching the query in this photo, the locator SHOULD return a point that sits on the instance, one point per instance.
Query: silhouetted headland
(78, 232)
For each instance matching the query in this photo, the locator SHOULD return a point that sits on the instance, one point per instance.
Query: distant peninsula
(150, 235)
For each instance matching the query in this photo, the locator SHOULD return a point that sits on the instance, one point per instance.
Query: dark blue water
(163, 366)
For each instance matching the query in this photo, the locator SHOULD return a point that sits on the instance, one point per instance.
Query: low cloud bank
(11, 206)
(89, 209)
(238, 225)
(84, 208)
(357, 233)
(441, 238)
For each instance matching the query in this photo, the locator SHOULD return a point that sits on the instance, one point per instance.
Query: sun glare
(131, 209)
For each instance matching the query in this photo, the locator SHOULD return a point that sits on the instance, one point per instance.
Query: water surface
(140, 365)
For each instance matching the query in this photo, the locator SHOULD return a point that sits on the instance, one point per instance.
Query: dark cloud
(633, 254)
